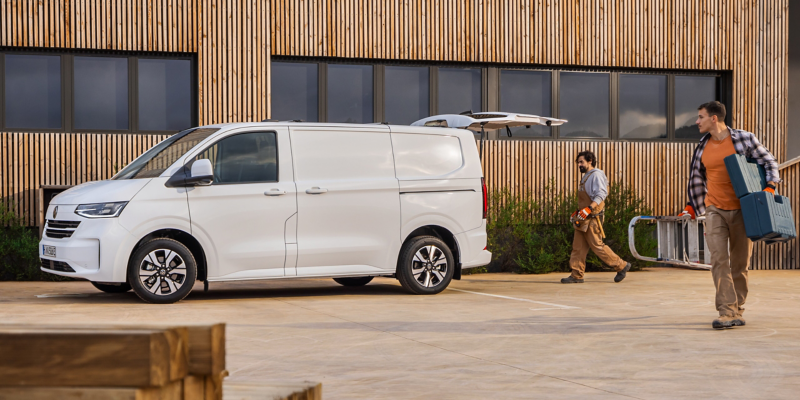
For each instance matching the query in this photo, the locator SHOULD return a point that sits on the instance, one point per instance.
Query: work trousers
(592, 239)
(724, 231)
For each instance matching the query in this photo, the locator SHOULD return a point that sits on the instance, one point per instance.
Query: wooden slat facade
(234, 39)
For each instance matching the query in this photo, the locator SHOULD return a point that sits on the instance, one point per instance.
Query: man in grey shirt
(589, 234)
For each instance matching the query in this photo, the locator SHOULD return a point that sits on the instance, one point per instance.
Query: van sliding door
(347, 201)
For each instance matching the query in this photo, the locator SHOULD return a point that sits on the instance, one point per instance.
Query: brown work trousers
(724, 231)
(592, 239)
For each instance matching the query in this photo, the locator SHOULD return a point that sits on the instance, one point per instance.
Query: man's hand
(573, 214)
(689, 210)
(770, 188)
(583, 214)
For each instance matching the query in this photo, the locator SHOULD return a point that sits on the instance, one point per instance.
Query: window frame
(193, 157)
(490, 91)
(67, 59)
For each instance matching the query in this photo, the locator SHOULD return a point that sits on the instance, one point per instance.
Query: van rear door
(347, 200)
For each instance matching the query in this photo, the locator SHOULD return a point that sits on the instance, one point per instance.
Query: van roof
(300, 124)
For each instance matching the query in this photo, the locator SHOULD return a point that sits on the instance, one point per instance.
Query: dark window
(165, 94)
(244, 158)
(407, 94)
(526, 92)
(32, 91)
(584, 102)
(101, 93)
(350, 93)
(294, 91)
(459, 90)
(690, 93)
(642, 106)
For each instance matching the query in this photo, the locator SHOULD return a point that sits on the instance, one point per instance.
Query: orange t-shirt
(718, 182)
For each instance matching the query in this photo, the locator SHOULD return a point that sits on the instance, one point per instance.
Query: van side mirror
(195, 173)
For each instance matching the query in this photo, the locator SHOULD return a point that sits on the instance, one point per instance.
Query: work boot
(723, 322)
(738, 320)
(571, 279)
(621, 274)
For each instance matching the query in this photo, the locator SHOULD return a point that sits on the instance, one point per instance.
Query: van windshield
(156, 160)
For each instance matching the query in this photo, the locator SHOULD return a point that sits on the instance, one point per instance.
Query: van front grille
(56, 265)
(63, 224)
(60, 229)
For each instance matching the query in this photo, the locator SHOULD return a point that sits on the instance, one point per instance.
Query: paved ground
(490, 336)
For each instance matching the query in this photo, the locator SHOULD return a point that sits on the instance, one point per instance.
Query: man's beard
(583, 169)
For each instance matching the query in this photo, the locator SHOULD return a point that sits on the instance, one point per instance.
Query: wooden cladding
(233, 41)
(138, 25)
(230, 38)
(29, 160)
(743, 36)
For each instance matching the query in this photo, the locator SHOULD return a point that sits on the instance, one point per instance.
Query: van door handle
(316, 190)
(275, 192)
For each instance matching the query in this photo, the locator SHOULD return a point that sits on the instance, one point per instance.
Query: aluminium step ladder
(681, 241)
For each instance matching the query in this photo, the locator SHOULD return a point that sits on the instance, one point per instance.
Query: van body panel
(101, 192)
(473, 243)
(426, 156)
(456, 208)
(411, 147)
(245, 222)
(348, 207)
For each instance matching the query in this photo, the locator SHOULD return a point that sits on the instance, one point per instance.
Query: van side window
(244, 158)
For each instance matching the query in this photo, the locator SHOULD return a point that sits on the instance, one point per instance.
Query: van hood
(101, 192)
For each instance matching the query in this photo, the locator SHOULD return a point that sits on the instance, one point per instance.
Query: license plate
(49, 251)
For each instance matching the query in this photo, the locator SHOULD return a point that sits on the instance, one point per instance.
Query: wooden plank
(276, 390)
(78, 357)
(171, 391)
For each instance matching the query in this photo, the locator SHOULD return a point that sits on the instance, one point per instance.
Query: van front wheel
(162, 271)
(426, 265)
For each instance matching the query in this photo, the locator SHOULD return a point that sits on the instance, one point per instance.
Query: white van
(277, 200)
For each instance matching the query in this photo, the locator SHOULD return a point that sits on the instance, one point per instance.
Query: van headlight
(101, 210)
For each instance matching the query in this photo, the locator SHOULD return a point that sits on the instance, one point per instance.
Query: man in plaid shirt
(711, 192)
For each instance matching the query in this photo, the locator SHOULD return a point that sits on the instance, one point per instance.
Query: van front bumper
(90, 252)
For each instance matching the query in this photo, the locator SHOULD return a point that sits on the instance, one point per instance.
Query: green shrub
(19, 249)
(532, 234)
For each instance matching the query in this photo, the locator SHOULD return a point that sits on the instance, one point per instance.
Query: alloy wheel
(429, 266)
(162, 272)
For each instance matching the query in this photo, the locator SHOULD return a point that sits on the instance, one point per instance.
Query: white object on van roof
(487, 121)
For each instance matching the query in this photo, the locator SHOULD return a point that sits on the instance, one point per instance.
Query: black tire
(357, 281)
(156, 281)
(120, 288)
(428, 268)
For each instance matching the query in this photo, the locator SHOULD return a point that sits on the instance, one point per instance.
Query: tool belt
(583, 224)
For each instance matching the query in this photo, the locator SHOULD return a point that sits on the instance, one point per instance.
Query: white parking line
(558, 306)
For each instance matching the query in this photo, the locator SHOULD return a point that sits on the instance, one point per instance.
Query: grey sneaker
(571, 279)
(739, 320)
(621, 274)
(723, 322)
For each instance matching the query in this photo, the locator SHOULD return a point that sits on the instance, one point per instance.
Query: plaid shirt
(746, 144)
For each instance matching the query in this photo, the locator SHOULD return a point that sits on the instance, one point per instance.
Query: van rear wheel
(426, 265)
(358, 281)
(109, 288)
(162, 271)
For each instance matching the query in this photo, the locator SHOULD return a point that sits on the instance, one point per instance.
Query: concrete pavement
(489, 336)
